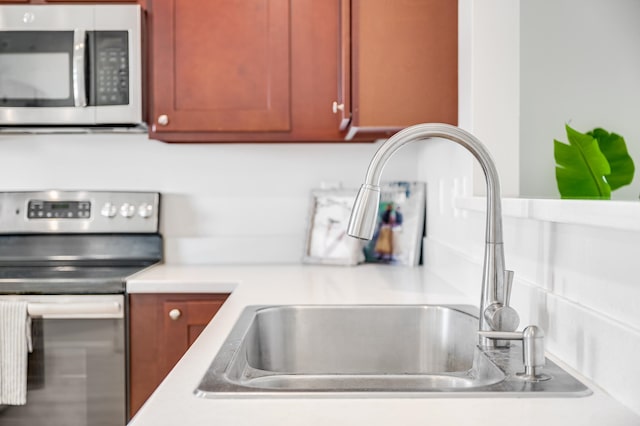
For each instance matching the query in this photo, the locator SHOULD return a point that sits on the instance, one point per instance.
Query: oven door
(77, 370)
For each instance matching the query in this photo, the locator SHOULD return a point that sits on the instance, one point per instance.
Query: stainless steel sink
(350, 350)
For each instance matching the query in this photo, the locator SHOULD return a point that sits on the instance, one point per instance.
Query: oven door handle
(74, 310)
(79, 53)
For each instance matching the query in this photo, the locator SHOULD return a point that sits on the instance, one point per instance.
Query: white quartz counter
(174, 403)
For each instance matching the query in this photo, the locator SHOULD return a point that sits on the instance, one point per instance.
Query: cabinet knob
(163, 120)
(335, 107)
(174, 314)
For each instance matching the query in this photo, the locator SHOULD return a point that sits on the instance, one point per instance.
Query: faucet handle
(501, 317)
(508, 284)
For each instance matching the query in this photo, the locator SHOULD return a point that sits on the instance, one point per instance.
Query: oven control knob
(127, 210)
(109, 210)
(145, 210)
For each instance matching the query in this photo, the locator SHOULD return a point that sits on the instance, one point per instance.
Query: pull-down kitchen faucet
(495, 312)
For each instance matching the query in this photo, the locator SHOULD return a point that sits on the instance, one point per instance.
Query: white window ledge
(609, 214)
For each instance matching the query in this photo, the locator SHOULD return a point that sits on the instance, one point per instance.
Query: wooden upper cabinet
(303, 70)
(404, 64)
(251, 70)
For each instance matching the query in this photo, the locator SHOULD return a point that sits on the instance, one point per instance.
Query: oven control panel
(38, 209)
(79, 212)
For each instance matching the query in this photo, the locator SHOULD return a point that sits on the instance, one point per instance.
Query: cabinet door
(85, 1)
(220, 65)
(404, 64)
(184, 320)
(70, 1)
(161, 329)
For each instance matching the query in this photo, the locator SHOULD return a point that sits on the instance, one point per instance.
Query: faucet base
(533, 378)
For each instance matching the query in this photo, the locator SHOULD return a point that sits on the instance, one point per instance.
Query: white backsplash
(222, 203)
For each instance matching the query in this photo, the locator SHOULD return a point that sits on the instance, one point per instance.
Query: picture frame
(400, 227)
(327, 241)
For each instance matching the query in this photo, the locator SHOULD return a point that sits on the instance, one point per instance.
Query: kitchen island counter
(174, 402)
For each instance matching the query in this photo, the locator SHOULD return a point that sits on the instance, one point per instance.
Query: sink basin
(366, 350)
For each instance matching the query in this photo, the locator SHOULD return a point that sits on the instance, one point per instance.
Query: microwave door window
(34, 77)
(36, 68)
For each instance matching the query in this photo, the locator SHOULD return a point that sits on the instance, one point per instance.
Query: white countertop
(174, 403)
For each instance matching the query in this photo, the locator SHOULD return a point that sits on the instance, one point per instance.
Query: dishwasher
(68, 255)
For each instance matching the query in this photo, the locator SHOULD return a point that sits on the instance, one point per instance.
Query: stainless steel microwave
(69, 65)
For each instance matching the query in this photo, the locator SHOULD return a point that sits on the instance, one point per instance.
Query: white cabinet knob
(174, 314)
(163, 120)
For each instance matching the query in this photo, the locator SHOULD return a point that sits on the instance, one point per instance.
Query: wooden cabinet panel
(161, 329)
(184, 320)
(221, 65)
(404, 63)
(69, 1)
(89, 1)
(342, 106)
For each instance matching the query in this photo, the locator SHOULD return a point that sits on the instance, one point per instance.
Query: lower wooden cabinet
(161, 329)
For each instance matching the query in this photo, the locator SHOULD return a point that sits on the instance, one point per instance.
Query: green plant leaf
(614, 148)
(581, 167)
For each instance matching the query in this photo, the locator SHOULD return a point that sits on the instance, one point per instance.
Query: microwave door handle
(79, 83)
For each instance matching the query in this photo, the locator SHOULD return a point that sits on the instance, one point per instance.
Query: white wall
(580, 64)
(222, 203)
(490, 74)
(530, 66)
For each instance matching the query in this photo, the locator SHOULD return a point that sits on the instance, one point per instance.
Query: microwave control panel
(110, 61)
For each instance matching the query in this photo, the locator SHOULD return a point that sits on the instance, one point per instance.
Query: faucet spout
(495, 314)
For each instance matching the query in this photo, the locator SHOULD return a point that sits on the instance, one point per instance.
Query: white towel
(15, 343)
